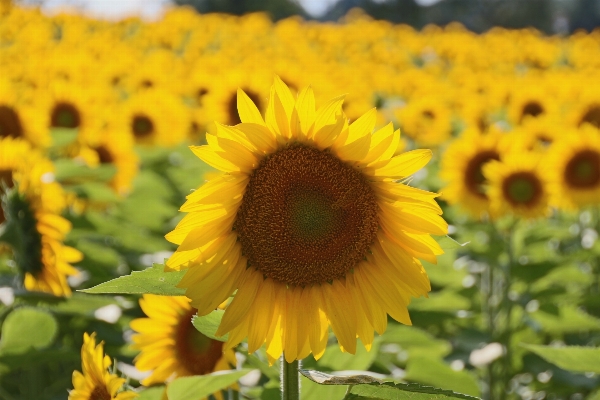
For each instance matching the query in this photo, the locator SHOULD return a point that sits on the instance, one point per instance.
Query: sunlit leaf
(208, 324)
(199, 387)
(152, 280)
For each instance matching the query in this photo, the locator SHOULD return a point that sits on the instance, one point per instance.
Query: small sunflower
(308, 223)
(530, 99)
(462, 169)
(154, 117)
(96, 382)
(36, 231)
(427, 120)
(21, 121)
(538, 134)
(575, 173)
(170, 346)
(517, 186)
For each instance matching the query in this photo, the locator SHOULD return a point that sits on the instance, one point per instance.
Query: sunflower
(18, 120)
(35, 230)
(308, 224)
(96, 382)
(154, 117)
(530, 99)
(427, 120)
(462, 169)
(114, 149)
(171, 346)
(575, 173)
(517, 186)
(538, 134)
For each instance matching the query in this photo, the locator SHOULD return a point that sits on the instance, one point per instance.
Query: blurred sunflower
(462, 169)
(114, 149)
(308, 224)
(96, 382)
(517, 186)
(170, 346)
(35, 230)
(537, 134)
(154, 117)
(18, 120)
(575, 173)
(530, 99)
(427, 120)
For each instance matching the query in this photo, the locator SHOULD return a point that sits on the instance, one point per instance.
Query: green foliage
(27, 328)
(153, 280)
(198, 387)
(367, 387)
(208, 324)
(572, 358)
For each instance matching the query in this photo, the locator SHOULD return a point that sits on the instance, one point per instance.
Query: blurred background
(549, 16)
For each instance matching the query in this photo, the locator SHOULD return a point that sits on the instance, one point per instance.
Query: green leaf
(199, 387)
(447, 243)
(432, 371)
(569, 320)
(337, 360)
(152, 280)
(441, 301)
(152, 393)
(415, 341)
(208, 324)
(94, 191)
(62, 137)
(402, 391)
(571, 358)
(27, 327)
(71, 171)
(364, 386)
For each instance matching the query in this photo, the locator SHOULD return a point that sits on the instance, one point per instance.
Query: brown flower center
(197, 353)
(522, 188)
(104, 155)
(474, 179)
(583, 170)
(10, 124)
(65, 115)
(532, 108)
(100, 392)
(306, 217)
(232, 110)
(592, 116)
(142, 126)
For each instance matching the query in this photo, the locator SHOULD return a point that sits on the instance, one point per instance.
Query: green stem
(290, 380)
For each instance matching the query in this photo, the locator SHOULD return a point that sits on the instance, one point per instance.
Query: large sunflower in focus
(462, 169)
(96, 382)
(170, 345)
(34, 228)
(575, 168)
(309, 224)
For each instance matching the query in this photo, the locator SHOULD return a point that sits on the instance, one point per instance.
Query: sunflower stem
(290, 380)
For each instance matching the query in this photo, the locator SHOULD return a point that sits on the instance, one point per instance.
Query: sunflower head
(575, 176)
(182, 350)
(309, 224)
(95, 382)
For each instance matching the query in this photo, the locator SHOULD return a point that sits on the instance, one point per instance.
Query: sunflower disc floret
(308, 225)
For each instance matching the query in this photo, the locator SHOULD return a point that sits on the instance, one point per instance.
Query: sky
(152, 9)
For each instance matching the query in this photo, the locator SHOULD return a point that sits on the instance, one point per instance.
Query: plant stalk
(290, 380)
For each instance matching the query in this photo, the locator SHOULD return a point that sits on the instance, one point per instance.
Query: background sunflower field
(96, 120)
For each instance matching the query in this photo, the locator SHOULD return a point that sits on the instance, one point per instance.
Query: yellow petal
(342, 317)
(248, 110)
(238, 309)
(209, 156)
(305, 104)
(401, 166)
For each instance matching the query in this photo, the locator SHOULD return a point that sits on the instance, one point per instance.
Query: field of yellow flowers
(96, 123)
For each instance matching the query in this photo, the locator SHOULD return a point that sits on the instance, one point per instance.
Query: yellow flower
(33, 226)
(171, 346)
(575, 168)
(462, 169)
(154, 117)
(308, 224)
(427, 120)
(96, 382)
(517, 186)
